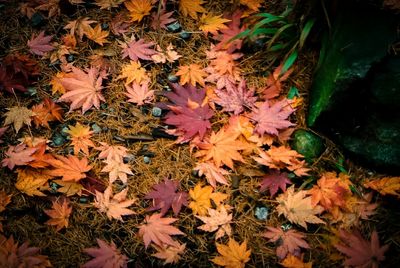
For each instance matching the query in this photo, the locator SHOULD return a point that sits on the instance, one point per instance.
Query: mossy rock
(308, 144)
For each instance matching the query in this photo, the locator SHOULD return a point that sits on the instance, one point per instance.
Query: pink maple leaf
(139, 93)
(161, 20)
(18, 155)
(273, 181)
(39, 45)
(272, 117)
(235, 99)
(138, 50)
(105, 256)
(165, 196)
(226, 35)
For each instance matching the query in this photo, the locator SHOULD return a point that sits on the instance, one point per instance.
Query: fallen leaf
(235, 99)
(80, 138)
(288, 242)
(40, 156)
(274, 82)
(201, 199)
(69, 188)
(136, 50)
(5, 199)
(170, 254)
(139, 93)
(105, 256)
(97, 35)
(161, 20)
(361, 252)
(70, 168)
(211, 24)
(386, 185)
(117, 170)
(56, 86)
(225, 35)
(45, 112)
(252, 4)
(233, 255)
(108, 4)
(18, 155)
(115, 206)
(218, 220)
(83, 89)
(18, 116)
(292, 261)
(158, 230)
(191, 74)
(80, 25)
(274, 180)
(191, 7)
(59, 214)
(212, 173)
(40, 44)
(133, 72)
(297, 208)
(165, 195)
(112, 152)
(138, 9)
(32, 182)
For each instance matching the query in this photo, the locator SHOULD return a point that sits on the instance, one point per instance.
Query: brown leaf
(170, 254)
(105, 256)
(59, 214)
(18, 116)
(32, 182)
(5, 199)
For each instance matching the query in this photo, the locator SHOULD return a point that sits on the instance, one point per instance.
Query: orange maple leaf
(40, 156)
(45, 112)
(97, 35)
(112, 152)
(191, 7)
(292, 261)
(5, 199)
(274, 82)
(158, 230)
(32, 181)
(138, 9)
(212, 173)
(133, 72)
(80, 138)
(115, 206)
(80, 25)
(192, 74)
(70, 168)
(233, 255)
(218, 220)
(211, 24)
(386, 185)
(59, 214)
(170, 254)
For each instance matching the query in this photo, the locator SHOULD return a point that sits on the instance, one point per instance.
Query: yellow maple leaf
(133, 72)
(252, 4)
(191, 7)
(292, 261)
(32, 182)
(138, 9)
(56, 86)
(233, 255)
(201, 199)
(97, 35)
(80, 138)
(69, 188)
(211, 24)
(387, 185)
(192, 74)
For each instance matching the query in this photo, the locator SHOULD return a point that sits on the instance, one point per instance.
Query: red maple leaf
(226, 35)
(105, 256)
(21, 65)
(40, 44)
(138, 50)
(161, 20)
(274, 180)
(235, 99)
(181, 95)
(361, 252)
(272, 117)
(165, 196)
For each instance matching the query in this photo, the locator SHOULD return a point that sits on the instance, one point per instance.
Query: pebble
(70, 58)
(30, 91)
(64, 131)
(185, 35)
(146, 159)
(174, 27)
(235, 181)
(104, 26)
(156, 112)
(261, 213)
(37, 19)
(172, 78)
(58, 140)
(128, 158)
(83, 200)
(96, 128)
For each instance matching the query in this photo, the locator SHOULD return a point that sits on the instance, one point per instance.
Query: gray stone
(96, 128)
(261, 213)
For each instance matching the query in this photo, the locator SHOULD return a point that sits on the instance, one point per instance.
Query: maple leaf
(40, 157)
(5, 199)
(9, 83)
(18, 155)
(117, 170)
(225, 35)
(51, 6)
(192, 74)
(361, 252)
(235, 99)
(201, 199)
(252, 4)
(161, 20)
(115, 206)
(212, 173)
(80, 138)
(211, 24)
(83, 89)
(45, 112)
(80, 25)
(217, 220)
(108, 4)
(170, 254)
(386, 185)
(169, 55)
(70, 168)
(292, 261)
(106, 255)
(39, 45)
(2, 132)
(32, 182)
(233, 255)
(18, 116)
(297, 208)
(97, 35)
(112, 152)
(158, 230)
(69, 188)
(119, 24)
(274, 82)
(138, 50)
(289, 242)
(133, 72)
(21, 65)
(186, 96)
(59, 214)
(270, 118)
(55, 83)
(13, 255)
(165, 195)
(222, 63)
(138, 9)
(274, 180)
(222, 147)
(139, 93)
(191, 7)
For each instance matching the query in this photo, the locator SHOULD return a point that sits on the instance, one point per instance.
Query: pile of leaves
(234, 130)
